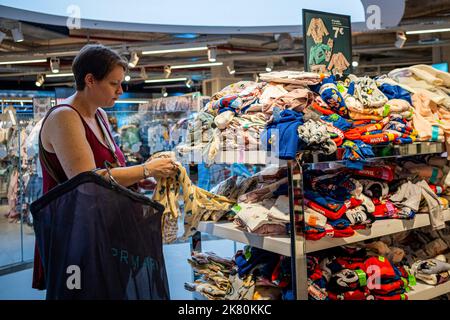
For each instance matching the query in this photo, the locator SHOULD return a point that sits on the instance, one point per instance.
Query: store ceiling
(250, 54)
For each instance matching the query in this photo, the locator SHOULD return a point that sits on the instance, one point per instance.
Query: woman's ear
(89, 80)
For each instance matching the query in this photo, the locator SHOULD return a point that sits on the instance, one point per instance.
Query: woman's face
(108, 90)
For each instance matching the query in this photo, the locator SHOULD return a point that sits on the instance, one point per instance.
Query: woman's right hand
(162, 167)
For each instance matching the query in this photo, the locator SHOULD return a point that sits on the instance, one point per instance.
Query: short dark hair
(96, 59)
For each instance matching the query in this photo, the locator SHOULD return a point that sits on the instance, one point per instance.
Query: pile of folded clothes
(342, 201)
(262, 202)
(269, 271)
(358, 273)
(290, 111)
(252, 274)
(213, 275)
(338, 202)
(335, 205)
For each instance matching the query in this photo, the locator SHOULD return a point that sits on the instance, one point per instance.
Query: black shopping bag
(99, 240)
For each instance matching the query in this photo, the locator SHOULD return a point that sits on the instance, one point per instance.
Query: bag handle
(108, 167)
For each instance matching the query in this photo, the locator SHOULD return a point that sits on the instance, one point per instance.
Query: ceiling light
(134, 59)
(212, 54)
(57, 75)
(17, 34)
(428, 31)
(401, 39)
(2, 36)
(40, 80)
(143, 73)
(189, 83)
(18, 100)
(167, 71)
(23, 61)
(230, 68)
(164, 92)
(175, 50)
(355, 62)
(127, 78)
(269, 66)
(54, 65)
(165, 80)
(199, 65)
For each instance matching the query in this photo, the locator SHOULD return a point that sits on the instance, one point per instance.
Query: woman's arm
(64, 134)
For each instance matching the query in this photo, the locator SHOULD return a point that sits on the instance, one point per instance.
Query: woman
(75, 136)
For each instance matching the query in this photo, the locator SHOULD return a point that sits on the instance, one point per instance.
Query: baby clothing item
(291, 79)
(315, 135)
(270, 94)
(281, 135)
(395, 92)
(296, 100)
(436, 214)
(198, 204)
(338, 121)
(374, 189)
(314, 218)
(408, 198)
(426, 119)
(383, 172)
(254, 217)
(356, 150)
(331, 95)
(359, 216)
(264, 192)
(432, 271)
(224, 119)
(367, 92)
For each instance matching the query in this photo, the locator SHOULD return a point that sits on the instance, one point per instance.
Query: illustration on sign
(327, 42)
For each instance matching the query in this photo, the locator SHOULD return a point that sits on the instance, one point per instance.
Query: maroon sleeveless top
(101, 154)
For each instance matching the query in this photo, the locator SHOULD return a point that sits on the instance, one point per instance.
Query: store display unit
(295, 245)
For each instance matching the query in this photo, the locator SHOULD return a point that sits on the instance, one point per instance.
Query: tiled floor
(17, 286)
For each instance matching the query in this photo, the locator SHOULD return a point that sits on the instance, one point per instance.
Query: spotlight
(134, 59)
(401, 39)
(54, 65)
(269, 66)
(212, 53)
(167, 71)
(127, 78)
(17, 34)
(355, 61)
(189, 83)
(230, 68)
(143, 73)
(40, 80)
(2, 36)
(164, 92)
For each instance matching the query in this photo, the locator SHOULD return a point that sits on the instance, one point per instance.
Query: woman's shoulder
(63, 113)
